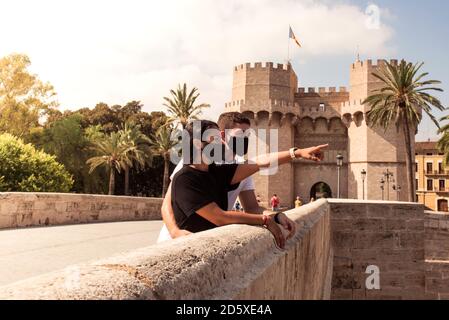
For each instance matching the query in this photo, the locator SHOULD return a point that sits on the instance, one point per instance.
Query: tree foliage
(182, 106)
(24, 98)
(23, 168)
(162, 143)
(28, 110)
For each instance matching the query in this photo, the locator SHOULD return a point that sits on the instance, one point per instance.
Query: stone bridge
(328, 258)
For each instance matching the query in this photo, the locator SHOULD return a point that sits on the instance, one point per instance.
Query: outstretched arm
(266, 161)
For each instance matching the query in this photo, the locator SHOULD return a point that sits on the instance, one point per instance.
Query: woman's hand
(273, 227)
(287, 223)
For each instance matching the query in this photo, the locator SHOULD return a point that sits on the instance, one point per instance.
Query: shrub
(25, 169)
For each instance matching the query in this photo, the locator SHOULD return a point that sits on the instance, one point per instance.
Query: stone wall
(336, 241)
(437, 255)
(233, 262)
(47, 209)
(387, 235)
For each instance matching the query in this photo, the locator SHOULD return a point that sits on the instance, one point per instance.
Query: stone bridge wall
(336, 241)
(48, 209)
(388, 235)
(437, 255)
(233, 262)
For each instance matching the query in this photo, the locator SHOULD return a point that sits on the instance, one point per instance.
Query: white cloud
(116, 51)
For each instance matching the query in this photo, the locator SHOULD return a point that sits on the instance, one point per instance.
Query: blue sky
(115, 51)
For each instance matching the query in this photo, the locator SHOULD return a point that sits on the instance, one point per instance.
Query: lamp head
(339, 160)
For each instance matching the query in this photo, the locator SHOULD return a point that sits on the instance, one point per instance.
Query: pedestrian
(237, 206)
(298, 202)
(275, 201)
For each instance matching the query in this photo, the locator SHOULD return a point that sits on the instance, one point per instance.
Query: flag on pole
(291, 35)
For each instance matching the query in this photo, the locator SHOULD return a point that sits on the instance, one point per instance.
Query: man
(234, 124)
(199, 190)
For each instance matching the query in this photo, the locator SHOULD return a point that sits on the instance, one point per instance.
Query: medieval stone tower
(268, 94)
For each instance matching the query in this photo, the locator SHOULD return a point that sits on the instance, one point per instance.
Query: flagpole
(288, 46)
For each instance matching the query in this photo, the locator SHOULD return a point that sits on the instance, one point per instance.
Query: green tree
(71, 135)
(113, 153)
(162, 144)
(26, 169)
(400, 101)
(443, 143)
(139, 153)
(66, 139)
(181, 105)
(23, 97)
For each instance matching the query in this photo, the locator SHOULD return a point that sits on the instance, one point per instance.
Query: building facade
(432, 178)
(269, 95)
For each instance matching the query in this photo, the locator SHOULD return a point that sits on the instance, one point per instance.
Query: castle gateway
(268, 94)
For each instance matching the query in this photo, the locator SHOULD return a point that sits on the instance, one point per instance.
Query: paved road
(33, 251)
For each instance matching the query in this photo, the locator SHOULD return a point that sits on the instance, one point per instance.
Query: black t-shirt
(193, 189)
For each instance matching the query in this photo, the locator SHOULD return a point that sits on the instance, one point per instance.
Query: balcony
(437, 173)
(441, 190)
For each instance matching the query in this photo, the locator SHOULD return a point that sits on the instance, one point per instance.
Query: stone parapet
(233, 262)
(387, 235)
(48, 209)
(336, 242)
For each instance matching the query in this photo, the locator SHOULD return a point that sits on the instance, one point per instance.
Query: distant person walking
(298, 202)
(237, 206)
(275, 201)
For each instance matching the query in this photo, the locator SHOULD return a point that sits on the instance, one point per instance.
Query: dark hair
(189, 133)
(229, 119)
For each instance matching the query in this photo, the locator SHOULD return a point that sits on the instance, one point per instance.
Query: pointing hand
(314, 154)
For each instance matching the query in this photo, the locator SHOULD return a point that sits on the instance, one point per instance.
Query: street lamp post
(339, 165)
(382, 187)
(363, 183)
(398, 190)
(388, 176)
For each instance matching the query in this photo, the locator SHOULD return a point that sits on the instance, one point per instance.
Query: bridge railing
(232, 262)
(48, 209)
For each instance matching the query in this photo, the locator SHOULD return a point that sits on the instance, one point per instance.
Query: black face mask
(239, 145)
(211, 156)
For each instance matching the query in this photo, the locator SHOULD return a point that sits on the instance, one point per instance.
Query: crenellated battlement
(370, 64)
(322, 90)
(357, 102)
(263, 66)
(261, 103)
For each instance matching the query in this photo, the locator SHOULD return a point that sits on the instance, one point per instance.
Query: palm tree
(139, 153)
(400, 100)
(443, 143)
(181, 106)
(162, 144)
(113, 154)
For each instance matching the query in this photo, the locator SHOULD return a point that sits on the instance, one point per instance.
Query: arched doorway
(320, 190)
(442, 205)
